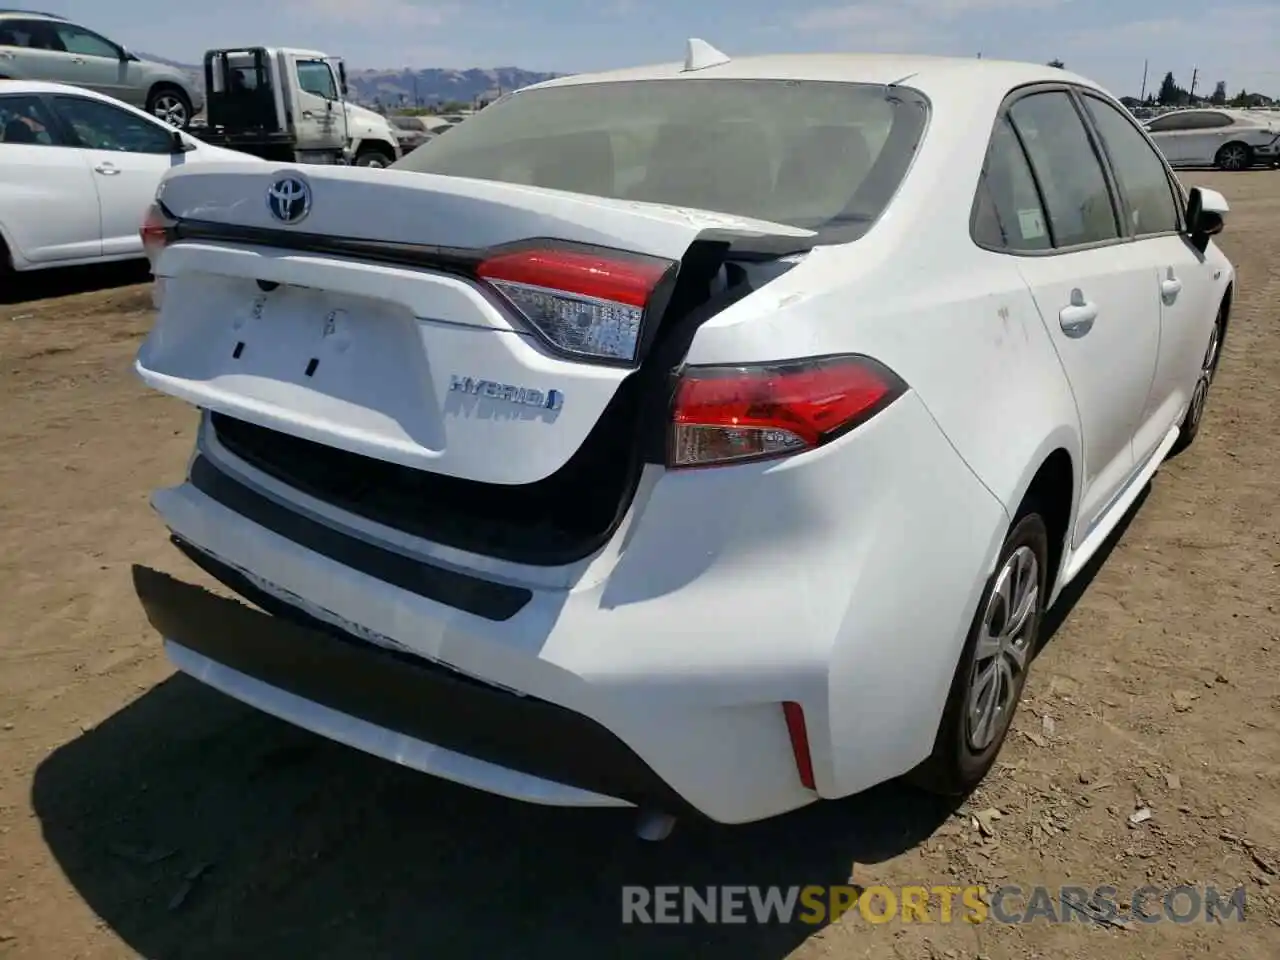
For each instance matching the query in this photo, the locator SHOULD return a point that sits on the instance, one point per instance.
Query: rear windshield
(818, 155)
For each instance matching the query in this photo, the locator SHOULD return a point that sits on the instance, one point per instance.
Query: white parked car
(78, 171)
(1228, 139)
(707, 437)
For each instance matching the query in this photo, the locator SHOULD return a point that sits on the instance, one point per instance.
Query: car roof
(926, 73)
(48, 86)
(31, 15)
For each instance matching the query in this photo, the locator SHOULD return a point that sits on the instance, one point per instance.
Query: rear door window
(1067, 169)
(24, 120)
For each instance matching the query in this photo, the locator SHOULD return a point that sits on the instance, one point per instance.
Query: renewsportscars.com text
(1007, 904)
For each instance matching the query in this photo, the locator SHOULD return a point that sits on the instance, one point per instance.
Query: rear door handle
(77, 59)
(107, 169)
(1077, 318)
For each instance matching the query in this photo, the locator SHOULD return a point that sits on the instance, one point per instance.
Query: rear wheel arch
(1052, 494)
(6, 252)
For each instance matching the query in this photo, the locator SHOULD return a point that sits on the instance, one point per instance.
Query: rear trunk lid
(359, 319)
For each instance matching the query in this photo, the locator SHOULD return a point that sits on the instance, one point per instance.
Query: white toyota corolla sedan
(77, 172)
(701, 437)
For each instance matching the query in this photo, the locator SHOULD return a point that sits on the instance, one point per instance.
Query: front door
(95, 62)
(127, 154)
(1152, 211)
(321, 121)
(51, 213)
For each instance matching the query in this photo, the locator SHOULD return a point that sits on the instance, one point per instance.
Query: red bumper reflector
(799, 742)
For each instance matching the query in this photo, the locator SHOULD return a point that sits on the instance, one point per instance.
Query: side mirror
(342, 77)
(1206, 215)
(179, 143)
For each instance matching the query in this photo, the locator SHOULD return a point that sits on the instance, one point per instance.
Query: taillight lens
(735, 414)
(585, 304)
(156, 231)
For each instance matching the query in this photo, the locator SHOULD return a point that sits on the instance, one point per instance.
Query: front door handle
(107, 169)
(77, 60)
(1077, 318)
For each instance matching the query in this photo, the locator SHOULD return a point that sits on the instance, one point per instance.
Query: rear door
(48, 200)
(1097, 292)
(1152, 209)
(127, 154)
(37, 53)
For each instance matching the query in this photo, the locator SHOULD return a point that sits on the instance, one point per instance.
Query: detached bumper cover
(290, 651)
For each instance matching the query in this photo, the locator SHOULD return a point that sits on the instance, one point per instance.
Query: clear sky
(1237, 41)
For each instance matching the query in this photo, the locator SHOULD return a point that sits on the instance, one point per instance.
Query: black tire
(1234, 156)
(170, 104)
(374, 157)
(956, 764)
(1190, 427)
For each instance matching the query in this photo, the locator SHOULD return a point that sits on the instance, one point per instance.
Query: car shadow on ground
(18, 288)
(196, 827)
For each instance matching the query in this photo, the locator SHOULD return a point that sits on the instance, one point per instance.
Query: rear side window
(25, 121)
(1067, 169)
(1007, 213)
(1207, 121)
(1149, 203)
(822, 156)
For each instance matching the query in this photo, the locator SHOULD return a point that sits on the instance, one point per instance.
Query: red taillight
(156, 231)
(736, 414)
(794, 715)
(586, 304)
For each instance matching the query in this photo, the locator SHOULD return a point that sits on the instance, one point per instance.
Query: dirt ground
(141, 814)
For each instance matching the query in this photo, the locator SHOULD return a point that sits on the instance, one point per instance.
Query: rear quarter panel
(966, 337)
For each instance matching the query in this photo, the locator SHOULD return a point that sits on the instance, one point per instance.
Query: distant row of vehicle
(276, 103)
(1218, 137)
(414, 130)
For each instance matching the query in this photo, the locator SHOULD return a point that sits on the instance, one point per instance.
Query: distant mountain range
(395, 88)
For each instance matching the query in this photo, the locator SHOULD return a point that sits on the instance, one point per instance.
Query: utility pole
(1145, 65)
(1191, 95)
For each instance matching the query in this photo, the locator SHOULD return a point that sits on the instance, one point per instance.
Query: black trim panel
(462, 591)
(293, 651)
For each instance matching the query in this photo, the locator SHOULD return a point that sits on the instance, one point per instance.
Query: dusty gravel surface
(141, 814)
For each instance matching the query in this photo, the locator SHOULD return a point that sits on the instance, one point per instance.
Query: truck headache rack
(240, 92)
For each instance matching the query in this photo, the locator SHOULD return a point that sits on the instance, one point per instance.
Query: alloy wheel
(1207, 368)
(1004, 644)
(1234, 157)
(171, 110)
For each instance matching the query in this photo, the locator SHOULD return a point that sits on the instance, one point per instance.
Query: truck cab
(290, 104)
